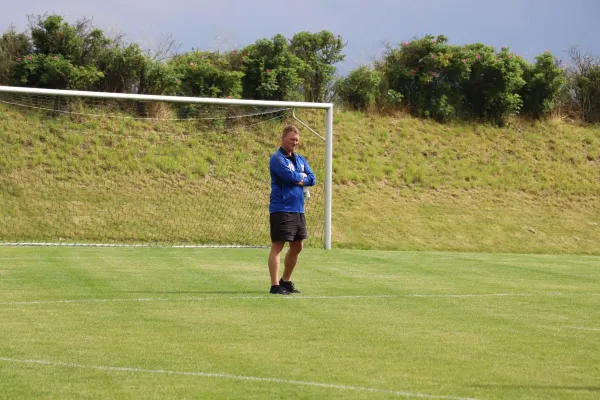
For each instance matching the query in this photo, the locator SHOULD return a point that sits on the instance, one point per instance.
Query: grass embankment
(399, 183)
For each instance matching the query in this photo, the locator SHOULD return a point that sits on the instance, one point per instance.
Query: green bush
(584, 79)
(492, 91)
(544, 82)
(427, 73)
(162, 78)
(81, 44)
(360, 89)
(271, 70)
(13, 46)
(319, 52)
(440, 81)
(588, 88)
(123, 68)
(206, 74)
(54, 72)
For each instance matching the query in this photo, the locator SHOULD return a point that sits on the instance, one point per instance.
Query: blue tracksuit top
(286, 170)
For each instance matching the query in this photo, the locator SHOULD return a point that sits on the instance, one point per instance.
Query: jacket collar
(285, 153)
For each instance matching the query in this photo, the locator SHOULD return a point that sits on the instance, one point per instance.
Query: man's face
(290, 142)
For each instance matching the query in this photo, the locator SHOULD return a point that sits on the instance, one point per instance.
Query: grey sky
(529, 27)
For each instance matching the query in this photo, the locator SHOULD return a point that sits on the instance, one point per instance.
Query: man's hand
(301, 183)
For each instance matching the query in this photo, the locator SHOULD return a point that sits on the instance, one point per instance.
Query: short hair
(289, 129)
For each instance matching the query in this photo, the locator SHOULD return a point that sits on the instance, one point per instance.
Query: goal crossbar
(168, 99)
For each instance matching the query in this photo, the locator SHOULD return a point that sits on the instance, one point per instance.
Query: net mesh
(124, 172)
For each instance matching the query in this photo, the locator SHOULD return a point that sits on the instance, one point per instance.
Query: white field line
(91, 256)
(583, 328)
(233, 377)
(295, 297)
(182, 246)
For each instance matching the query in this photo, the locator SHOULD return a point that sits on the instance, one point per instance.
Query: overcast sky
(529, 27)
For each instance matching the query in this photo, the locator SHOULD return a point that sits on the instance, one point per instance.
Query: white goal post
(53, 94)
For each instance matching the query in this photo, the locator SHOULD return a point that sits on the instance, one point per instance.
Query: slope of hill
(399, 182)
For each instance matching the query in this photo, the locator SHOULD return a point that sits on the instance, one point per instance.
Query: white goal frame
(199, 100)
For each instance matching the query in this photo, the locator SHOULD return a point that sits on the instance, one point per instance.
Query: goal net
(148, 170)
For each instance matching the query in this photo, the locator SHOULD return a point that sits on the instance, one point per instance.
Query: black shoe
(278, 289)
(289, 286)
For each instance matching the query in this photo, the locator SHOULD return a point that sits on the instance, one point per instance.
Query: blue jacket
(286, 194)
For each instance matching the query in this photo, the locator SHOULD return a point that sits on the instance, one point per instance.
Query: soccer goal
(95, 168)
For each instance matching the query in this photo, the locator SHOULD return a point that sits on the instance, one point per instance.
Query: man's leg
(276, 248)
(291, 259)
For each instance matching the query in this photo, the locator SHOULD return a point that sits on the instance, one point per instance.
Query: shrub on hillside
(206, 74)
(271, 70)
(318, 52)
(544, 81)
(495, 79)
(13, 47)
(360, 90)
(584, 82)
(54, 72)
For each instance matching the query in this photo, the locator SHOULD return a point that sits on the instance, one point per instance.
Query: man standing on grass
(290, 174)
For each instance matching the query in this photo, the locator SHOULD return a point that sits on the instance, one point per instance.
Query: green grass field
(145, 323)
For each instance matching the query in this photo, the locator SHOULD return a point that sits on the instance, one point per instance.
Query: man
(290, 174)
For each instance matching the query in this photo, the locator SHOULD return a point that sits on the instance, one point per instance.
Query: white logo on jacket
(291, 166)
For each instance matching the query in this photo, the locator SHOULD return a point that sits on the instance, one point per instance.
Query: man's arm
(310, 179)
(279, 167)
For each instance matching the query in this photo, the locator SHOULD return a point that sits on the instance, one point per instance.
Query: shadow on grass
(199, 292)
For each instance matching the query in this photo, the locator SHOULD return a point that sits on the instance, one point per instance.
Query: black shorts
(288, 227)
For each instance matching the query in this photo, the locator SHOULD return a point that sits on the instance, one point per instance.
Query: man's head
(290, 138)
